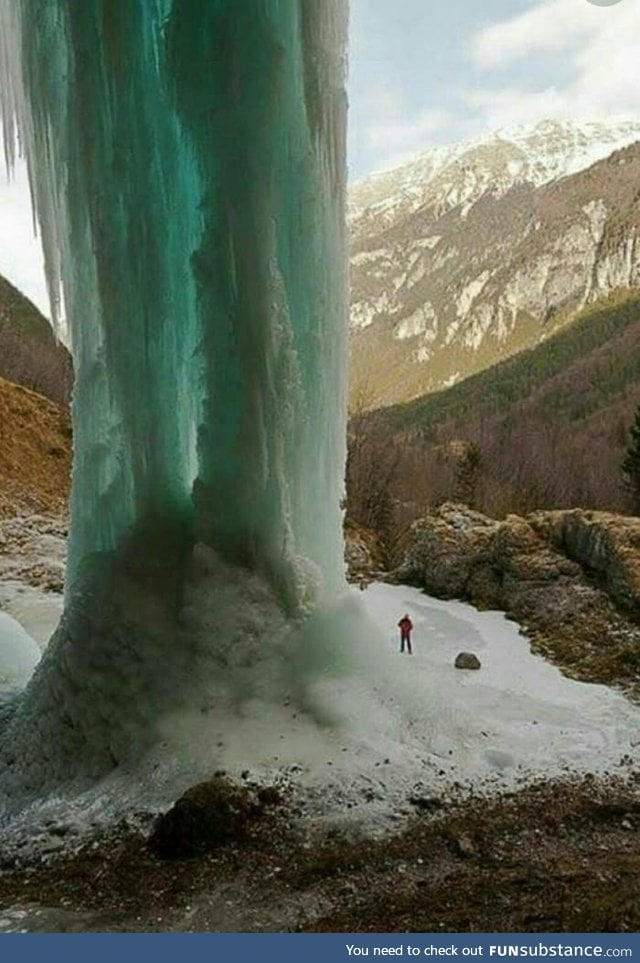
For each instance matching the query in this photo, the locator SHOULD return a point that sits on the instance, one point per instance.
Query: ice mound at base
(350, 727)
(198, 672)
(19, 655)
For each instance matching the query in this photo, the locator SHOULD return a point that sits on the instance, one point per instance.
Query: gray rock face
(467, 660)
(610, 546)
(446, 548)
(456, 552)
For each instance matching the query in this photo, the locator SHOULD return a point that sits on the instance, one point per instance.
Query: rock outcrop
(208, 815)
(363, 553)
(604, 544)
(570, 578)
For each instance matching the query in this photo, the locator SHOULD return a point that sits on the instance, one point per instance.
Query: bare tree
(372, 463)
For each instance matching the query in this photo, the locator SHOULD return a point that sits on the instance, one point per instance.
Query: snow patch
(421, 322)
(19, 655)
(428, 242)
(364, 313)
(469, 293)
(457, 174)
(368, 257)
(423, 354)
(452, 380)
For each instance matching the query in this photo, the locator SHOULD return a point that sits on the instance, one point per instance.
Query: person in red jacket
(406, 626)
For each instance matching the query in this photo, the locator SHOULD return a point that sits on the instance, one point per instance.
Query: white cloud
(21, 260)
(549, 27)
(600, 46)
(559, 59)
(391, 133)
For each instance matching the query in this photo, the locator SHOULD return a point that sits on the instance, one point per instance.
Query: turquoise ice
(187, 163)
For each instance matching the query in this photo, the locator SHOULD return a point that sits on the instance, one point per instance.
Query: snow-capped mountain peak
(458, 174)
(475, 251)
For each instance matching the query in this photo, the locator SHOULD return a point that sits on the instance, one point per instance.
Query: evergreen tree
(631, 463)
(467, 475)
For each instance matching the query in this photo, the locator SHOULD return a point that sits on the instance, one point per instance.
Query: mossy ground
(553, 857)
(601, 649)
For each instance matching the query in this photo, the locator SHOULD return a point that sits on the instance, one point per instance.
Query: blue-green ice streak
(187, 163)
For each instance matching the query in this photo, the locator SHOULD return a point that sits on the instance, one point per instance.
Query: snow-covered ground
(397, 725)
(19, 654)
(32, 561)
(518, 712)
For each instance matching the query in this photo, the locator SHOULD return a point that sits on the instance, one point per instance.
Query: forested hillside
(545, 429)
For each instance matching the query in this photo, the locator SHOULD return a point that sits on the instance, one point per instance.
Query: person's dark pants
(405, 637)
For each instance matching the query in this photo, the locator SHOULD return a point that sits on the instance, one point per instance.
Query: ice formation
(187, 165)
(19, 655)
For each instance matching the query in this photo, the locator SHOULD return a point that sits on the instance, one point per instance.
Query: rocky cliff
(364, 553)
(570, 578)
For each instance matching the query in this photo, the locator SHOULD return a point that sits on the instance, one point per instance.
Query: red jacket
(405, 625)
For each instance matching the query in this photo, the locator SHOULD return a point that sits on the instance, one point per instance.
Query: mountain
(544, 429)
(477, 251)
(30, 354)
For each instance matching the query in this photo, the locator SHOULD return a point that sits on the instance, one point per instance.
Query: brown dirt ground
(554, 857)
(35, 452)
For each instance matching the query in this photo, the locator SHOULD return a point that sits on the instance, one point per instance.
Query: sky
(427, 72)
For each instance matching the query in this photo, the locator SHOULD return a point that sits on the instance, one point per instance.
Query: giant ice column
(187, 165)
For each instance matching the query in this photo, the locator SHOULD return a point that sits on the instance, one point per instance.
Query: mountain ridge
(458, 282)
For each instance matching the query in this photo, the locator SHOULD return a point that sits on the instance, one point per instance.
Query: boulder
(205, 817)
(447, 549)
(467, 660)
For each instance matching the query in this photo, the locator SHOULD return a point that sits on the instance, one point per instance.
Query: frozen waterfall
(187, 163)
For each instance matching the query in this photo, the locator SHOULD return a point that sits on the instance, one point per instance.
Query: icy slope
(518, 713)
(408, 725)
